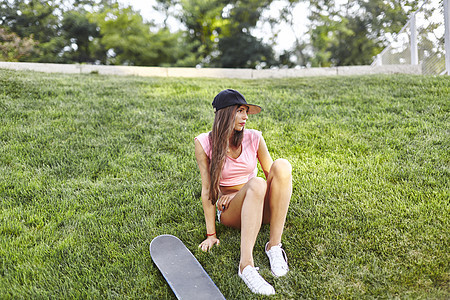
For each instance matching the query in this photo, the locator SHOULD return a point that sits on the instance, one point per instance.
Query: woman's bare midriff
(226, 190)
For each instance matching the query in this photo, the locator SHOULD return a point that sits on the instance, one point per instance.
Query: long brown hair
(223, 129)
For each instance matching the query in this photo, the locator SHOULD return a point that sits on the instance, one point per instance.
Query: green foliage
(353, 33)
(244, 51)
(124, 36)
(203, 20)
(93, 167)
(13, 48)
(246, 14)
(79, 30)
(92, 32)
(219, 32)
(36, 19)
(238, 48)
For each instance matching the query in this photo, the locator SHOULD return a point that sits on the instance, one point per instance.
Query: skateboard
(182, 271)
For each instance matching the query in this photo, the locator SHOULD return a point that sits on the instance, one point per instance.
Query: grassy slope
(92, 168)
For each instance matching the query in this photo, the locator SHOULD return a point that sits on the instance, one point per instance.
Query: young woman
(227, 158)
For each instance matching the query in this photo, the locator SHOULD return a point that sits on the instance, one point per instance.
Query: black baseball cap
(231, 97)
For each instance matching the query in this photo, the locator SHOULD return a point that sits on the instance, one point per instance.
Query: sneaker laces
(277, 257)
(255, 282)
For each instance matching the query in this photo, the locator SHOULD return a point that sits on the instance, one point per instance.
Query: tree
(90, 31)
(353, 33)
(238, 48)
(79, 31)
(128, 40)
(14, 48)
(219, 31)
(244, 51)
(38, 19)
(124, 36)
(205, 26)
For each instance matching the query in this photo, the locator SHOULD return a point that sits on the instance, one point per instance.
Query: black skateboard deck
(184, 274)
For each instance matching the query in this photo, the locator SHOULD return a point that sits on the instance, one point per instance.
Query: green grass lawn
(92, 168)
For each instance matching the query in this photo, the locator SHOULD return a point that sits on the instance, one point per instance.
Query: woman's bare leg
(278, 196)
(246, 211)
(259, 201)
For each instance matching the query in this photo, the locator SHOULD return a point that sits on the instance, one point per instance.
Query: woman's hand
(224, 202)
(209, 243)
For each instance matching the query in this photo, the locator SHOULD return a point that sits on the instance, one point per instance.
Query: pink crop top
(242, 169)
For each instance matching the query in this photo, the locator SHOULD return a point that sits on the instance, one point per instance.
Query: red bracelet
(210, 234)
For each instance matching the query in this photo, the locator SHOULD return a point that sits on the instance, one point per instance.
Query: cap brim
(253, 109)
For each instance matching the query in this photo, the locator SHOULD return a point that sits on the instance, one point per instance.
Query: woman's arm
(264, 156)
(208, 208)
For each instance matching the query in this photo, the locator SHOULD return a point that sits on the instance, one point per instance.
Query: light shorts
(218, 215)
(220, 212)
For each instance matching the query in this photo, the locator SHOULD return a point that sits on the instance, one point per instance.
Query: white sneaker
(255, 282)
(278, 260)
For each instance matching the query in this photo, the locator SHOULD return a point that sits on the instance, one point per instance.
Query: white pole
(379, 60)
(447, 35)
(414, 50)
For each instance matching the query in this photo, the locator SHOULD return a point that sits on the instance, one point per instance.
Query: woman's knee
(258, 186)
(281, 168)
